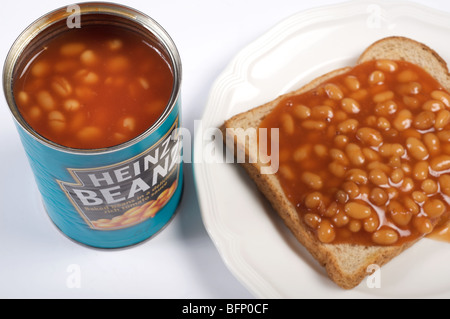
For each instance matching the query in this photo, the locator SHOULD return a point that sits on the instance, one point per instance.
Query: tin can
(86, 191)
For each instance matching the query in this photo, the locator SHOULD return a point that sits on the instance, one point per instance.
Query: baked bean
(340, 141)
(371, 223)
(301, 111)
(348, 126)
(287, 123)
(356, 175)
(325, 232)
(444, 136)
(424, 120)
(377, 165)
(340, 116)
(420, 170)
(340, 219)
(314, 200)
(61, 86)
(370, 154)
(388, 150)
(72, 49)
(392, 193)
(411, 205)
(331, 210)
(371, 120)
(406, 168)
(442, 97)
(46, 100)
(386, 108)
(386, 65)
(115, 44)
(434, 208)
(369, 136)
(383, 96)
(378, 196)
(416, 148)
(403, 120)
(72, 105)
(359, 95)
(432, 143)
(385, 237)
(429, 186)
(337, 169)
(312, 220)
(40, 69)
(287, 172)
(322, 112)
(352, 83)
(378, 177)
(313, 125)
(407, 185)
(422, 224)
(57, 121)
(117, 64)
(355, 154)
(407, 76)
(91, 78)
(411, 102)
(383, 123)
(341, 197)
(119, 137)
(89, 133)
(333, 91)
(412, 88)
(444, 184)
(442, 119)
(376, 77)
(320, 150)
(312, 180)
(397, 175)
(440, 163)
(419, 197)
(85, 93)
(143, 83)
(354, 226)
(302, 152)
(351, 189)
(64, 66)
(395, 162)
(357, 210)
(350, 105)
(411, 133)
(89, 58)
(35, 113)
(433, 105)
(23, 98)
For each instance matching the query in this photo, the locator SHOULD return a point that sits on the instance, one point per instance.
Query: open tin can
(113, 196)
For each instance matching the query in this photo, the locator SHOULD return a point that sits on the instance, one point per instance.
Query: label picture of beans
(137, 214)
(366, 155)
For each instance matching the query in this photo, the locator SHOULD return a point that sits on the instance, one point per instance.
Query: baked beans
(370, 154)
(76, 91)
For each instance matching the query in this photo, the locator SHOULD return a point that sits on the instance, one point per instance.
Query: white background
(36, 261)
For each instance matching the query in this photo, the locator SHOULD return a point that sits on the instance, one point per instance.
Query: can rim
(91, 8)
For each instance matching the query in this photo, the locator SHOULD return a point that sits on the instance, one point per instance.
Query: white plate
(252, 240)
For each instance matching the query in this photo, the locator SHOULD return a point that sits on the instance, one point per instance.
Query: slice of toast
(346, 264)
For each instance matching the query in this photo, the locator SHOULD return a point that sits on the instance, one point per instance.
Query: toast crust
(346, 264)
